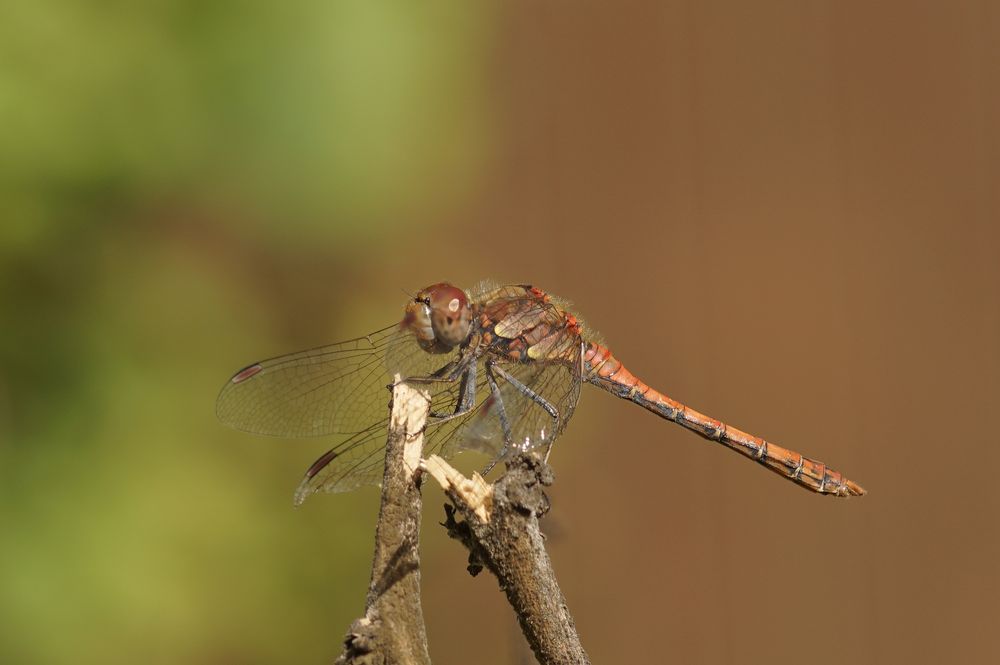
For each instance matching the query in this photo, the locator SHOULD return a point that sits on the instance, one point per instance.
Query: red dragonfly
(504, 365)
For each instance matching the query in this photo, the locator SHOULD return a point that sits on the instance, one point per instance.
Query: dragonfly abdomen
(605, 371)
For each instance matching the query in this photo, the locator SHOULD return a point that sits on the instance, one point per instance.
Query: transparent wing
(358, 461)
(533, 404)
(536, 398)
(339, 388)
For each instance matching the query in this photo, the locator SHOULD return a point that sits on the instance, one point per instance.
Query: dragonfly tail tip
(853, 489)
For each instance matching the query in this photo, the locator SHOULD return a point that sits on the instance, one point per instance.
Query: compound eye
(451, 315)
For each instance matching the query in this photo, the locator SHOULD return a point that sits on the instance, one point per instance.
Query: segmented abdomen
(604, 370)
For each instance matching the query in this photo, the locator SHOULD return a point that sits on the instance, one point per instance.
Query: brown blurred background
(784, 214)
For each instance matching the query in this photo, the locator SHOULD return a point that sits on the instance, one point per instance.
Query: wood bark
(497, 523)
(499, 527)
(392, 628)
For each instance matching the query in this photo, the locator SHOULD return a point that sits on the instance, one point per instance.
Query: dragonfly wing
(537, 398)
(339, 388)
(356, 462)
(537, 401)
(554, 386)
(359, 460)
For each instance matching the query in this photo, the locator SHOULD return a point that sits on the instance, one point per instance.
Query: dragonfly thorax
(440, 317)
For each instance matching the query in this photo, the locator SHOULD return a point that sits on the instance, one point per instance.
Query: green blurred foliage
(165, 168)
(304, 110)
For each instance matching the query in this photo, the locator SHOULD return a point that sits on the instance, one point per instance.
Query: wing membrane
(341, 389)
(532, 426)
(338, 388)
(359, 460)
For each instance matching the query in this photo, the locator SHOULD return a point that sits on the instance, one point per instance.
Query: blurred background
(784, 214)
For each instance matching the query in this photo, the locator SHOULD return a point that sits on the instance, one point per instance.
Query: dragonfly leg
(466, 398)
(527, 392)
(534, 397)
(501, 414)
(449, 373)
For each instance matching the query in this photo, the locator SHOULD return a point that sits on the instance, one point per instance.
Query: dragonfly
(503, 365)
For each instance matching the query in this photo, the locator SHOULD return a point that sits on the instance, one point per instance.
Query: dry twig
(499, 527)
(500, 530)
(392, 629)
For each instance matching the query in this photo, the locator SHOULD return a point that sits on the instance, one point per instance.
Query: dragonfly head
(440, 317)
